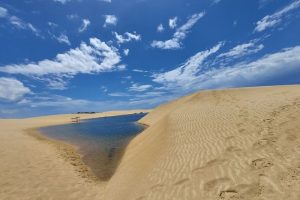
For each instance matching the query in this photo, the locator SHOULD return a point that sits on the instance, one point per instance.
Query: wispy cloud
(17, 22)
(62, 1)
(173, 22)
(139, 88)
(127, 37)
(139, 71)
(84, 25)
(95, 57)
(242, 50)
(63, 39)
(176, 41)
(110, 20)
(275, 19)
(193, 75)
(182, 76)
(12, 90)
(72, 16)
(126, 52)
(160, 28)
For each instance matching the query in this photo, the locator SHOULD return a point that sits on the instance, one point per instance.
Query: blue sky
(62, 56)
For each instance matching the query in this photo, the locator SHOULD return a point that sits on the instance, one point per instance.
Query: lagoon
(101, 141)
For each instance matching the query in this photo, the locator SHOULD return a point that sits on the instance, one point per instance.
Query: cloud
(160, 28)
(52, 24)
(17, 22)
(95, 57)
(84, 25)
(173, 22)
(3, 12)
(63, 39)
(118, 94)
(12, 90)
(62, 1)
(185, 74)
(139, 88)
(110, 20)
(179, 35)
(263, 3)
(126, 52)
(107, 1)
(242, 50)
(127, 37)
(216, 1)
(193, 74)
(270, 21)
(72, 16)
(139, 71)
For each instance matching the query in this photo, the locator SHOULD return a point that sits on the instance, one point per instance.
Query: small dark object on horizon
(86, 112)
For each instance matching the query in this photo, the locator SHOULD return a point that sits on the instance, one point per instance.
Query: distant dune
(236, 144)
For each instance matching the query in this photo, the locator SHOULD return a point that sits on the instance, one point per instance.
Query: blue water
(101, 141)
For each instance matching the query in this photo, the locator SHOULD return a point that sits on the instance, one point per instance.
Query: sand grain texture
(232, 144)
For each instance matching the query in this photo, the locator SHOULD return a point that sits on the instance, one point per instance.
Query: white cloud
(84, 25)
(72, 16)
(63, 39)
(3, 12)
(243, 50)
(193, 75)
(173, 22)
(110, 20)
(126, 52)
(216, 1)
(17, 22)
(127, 37)
(107, 1)
(179, 35)
(263, 3)
(52, 24)
(276, 18)
(61, 1)
(139, 88)
(119, 94)
(139, 71)
(185, 74)
(160, 28)
(95, 57)
(12, 89)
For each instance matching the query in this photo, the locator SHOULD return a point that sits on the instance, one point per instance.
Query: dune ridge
(227, 144)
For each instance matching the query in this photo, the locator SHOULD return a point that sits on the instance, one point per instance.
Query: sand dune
(228, 144)
(231, 144)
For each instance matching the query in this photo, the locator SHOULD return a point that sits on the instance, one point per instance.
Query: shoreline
(69, 152)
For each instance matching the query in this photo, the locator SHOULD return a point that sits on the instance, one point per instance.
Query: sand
(32, 168)
(228, 144)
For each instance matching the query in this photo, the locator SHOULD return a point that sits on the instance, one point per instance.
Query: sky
(66, 56)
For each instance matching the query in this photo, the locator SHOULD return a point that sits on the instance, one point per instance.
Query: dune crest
(227, 144)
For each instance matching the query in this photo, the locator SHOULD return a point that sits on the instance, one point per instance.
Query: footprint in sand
(261, 163)
(228, 194)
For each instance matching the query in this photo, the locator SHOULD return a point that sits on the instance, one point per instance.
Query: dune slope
(228, 144)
